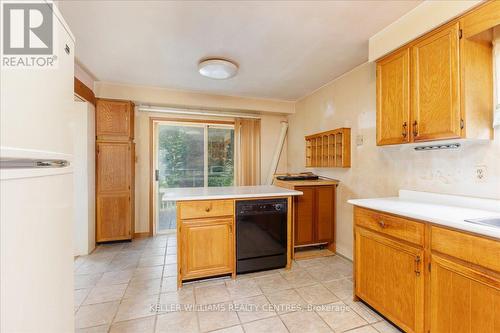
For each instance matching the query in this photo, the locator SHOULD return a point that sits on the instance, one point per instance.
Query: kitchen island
(207, 228)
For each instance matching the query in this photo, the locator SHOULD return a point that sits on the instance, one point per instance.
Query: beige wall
(190, 99)
(381, 171)
(270, 130)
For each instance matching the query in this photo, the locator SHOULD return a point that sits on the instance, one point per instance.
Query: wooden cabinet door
(114, 200)
(113, 166)
(206, 247)
(304, 216)
(114, 120)
(463, 300)
(389, 278)
(325, 203)
(436, 86)
(393, 99)
(113, 217)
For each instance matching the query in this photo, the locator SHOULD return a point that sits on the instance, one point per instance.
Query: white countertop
(227, 192)
(446, 210)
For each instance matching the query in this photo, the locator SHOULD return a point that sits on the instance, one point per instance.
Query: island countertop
(226, 192)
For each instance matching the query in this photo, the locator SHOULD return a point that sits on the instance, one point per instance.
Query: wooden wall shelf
(330, 149)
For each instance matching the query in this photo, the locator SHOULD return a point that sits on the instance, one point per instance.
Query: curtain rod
(195, 112)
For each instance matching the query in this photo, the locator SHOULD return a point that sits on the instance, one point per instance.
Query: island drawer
(398, 227)
(205, 208)
(476, 250)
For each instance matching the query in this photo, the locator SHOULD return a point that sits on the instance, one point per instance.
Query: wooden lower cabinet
(113, 217)
(389, 278)
(426, 278)
(462, 299)
(207, 247)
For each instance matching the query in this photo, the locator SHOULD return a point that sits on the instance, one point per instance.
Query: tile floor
(131, 287)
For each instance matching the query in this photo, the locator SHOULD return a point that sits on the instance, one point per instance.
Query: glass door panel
(180, 164)
(220, 156)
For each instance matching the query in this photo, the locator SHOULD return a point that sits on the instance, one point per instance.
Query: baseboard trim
(141, 234)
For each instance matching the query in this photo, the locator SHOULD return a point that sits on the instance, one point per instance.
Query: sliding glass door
(190, 155)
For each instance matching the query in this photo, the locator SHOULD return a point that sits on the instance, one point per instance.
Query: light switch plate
(359, 140)
(480, 173)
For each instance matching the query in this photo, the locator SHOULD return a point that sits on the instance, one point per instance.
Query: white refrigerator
(36, 193)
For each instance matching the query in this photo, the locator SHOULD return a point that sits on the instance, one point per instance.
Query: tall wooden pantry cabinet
(115, 162)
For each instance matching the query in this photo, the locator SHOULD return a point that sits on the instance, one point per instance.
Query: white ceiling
(285, 49)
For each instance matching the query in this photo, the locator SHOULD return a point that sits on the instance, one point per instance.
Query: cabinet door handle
(230, 228)
(417, 265)
(415, 128)
(405, 130)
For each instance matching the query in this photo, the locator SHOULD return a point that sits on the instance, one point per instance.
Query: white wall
(84, 177)
(381, 171)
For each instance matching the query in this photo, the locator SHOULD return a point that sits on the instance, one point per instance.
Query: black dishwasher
(261, 234)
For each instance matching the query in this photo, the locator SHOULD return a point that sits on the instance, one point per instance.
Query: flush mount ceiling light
(218, 69)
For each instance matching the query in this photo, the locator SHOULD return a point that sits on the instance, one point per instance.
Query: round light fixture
(218, 69)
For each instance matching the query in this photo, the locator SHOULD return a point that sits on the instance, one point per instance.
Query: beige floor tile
(136, 307)
(364, 329)
(151, 261)
(171, 259)
(243, 288)
(254, 308)
(154, 251)
(143, 287)
(83, 281)
(147, 273)
(172, 250)
(101, 294)
(341, 317)
(298, 278)
(302, 322)
(272, 283)
(214, 320)
(80, 295)
(364, 311)
(305, 263)
(386, 327)
(180, 300)
(286, 301)
(95, 314)
(211, 294)
(116, 277)
(141, 325)
(342, 288)
(170, 270)
(324, 273)
(95, 329)
(233, 329)
(169, 284)
(317, 294)
(92, 268)
(177, 322)
(123, 264)
(273, 324)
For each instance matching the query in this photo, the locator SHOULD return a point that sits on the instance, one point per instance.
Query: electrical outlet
(359, 140)
(480, 173)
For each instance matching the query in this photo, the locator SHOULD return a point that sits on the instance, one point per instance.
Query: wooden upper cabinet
(436, 86)
(114, 120)
(393, 98)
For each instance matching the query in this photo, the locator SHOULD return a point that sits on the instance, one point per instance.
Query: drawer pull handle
(207, 209)
(417, 266)
(381, 223)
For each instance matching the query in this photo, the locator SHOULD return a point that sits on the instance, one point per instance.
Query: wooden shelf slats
(330, 149)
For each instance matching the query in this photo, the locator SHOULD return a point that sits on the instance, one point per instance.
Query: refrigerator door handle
(25, 163)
